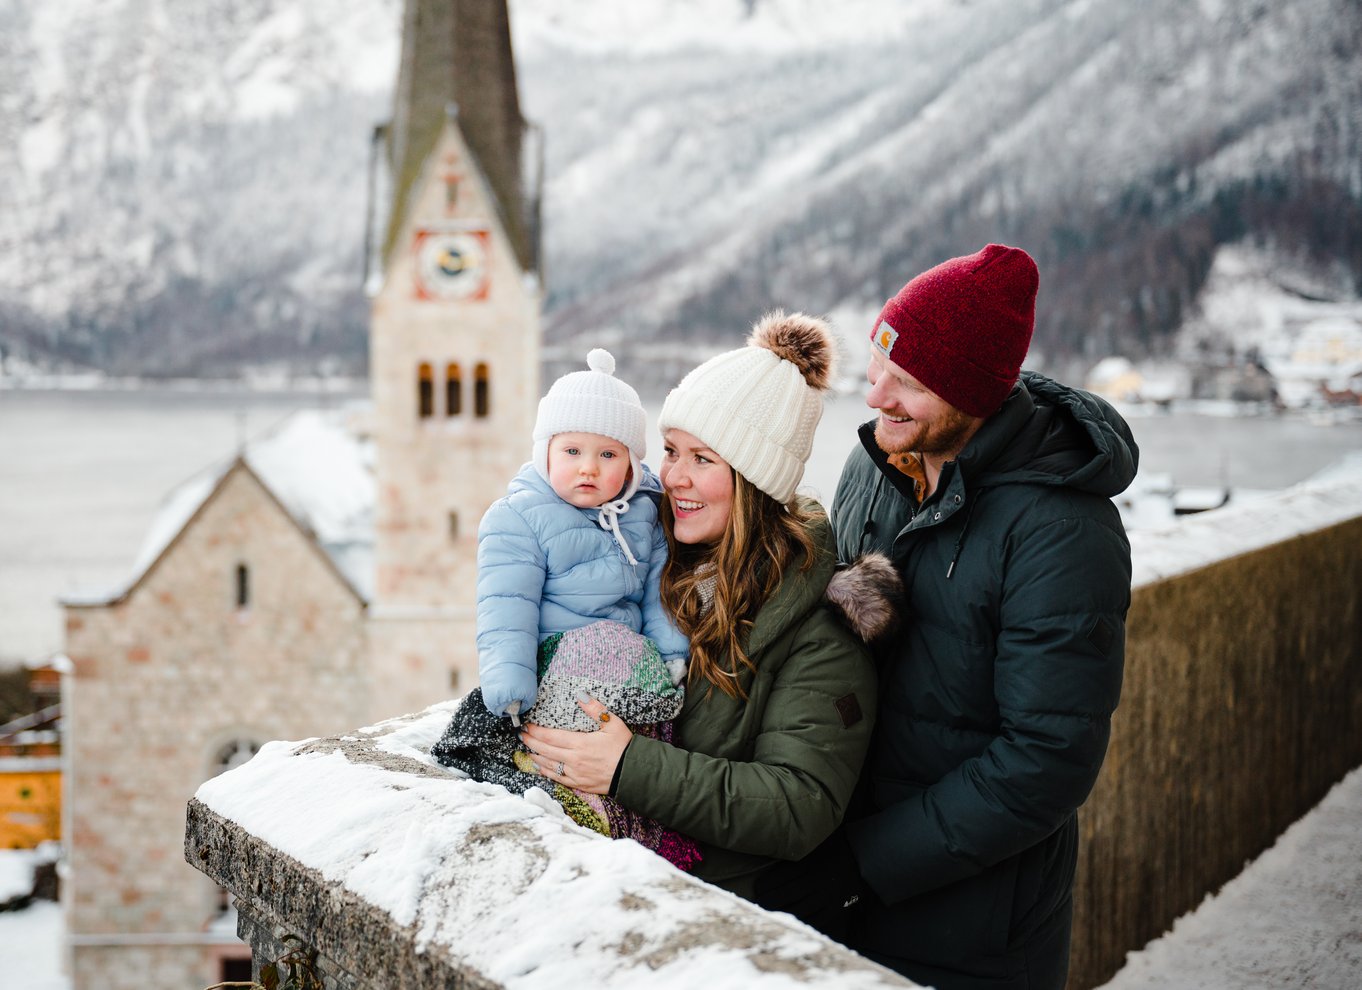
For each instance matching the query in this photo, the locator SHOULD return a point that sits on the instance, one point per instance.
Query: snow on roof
(391, 838)
(59, 662)
(323, 474)
(1109, 369)
(318, 470)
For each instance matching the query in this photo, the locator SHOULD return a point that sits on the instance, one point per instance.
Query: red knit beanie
(963, 327)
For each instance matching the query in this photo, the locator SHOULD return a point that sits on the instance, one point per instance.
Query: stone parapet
(1243, 688)
(401, 874)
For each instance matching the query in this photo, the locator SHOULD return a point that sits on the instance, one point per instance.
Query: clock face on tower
(451, 264)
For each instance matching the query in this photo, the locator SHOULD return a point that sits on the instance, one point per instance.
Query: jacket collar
(1044, 433)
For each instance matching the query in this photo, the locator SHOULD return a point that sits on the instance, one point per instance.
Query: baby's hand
(502, 688)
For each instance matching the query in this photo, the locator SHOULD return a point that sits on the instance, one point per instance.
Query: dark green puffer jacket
(996, 696)
(769, 778)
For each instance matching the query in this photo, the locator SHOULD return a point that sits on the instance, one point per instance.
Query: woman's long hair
(762, 538)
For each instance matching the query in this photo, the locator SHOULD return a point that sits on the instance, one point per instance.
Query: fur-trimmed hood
(867, 595)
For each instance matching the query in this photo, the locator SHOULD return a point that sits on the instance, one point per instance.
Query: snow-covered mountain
(1120, 143)
(182, 182)
(185, 178)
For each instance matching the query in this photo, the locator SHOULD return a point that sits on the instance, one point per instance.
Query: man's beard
(944, 437)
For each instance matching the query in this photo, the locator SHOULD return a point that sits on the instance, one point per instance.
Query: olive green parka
(765, 779)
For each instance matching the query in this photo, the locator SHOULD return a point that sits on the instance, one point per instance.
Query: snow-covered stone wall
(403, 875)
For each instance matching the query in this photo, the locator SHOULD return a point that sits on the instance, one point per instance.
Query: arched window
(425, 391)
(243, 586)
(482, 391)
(453, 389)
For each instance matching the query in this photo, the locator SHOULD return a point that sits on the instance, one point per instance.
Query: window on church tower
(453, 390)
(482, 392)
(425, 392)
(243, 586)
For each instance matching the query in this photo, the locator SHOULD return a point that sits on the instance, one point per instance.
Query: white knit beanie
(593, 401)
(757, 407)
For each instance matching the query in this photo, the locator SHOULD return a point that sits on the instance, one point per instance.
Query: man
(990, 490)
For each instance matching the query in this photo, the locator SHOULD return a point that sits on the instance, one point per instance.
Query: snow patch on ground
(30, 945)
(1293, 918)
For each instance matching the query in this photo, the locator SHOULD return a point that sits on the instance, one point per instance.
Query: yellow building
(30, 801)
(30, 770)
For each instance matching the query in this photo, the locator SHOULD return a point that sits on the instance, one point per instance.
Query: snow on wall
(546, 897)
(1200, 540)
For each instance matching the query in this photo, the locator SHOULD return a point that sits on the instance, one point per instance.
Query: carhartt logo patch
(884, 338)
(850, 710)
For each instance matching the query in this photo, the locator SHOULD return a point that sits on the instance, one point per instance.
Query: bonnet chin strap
(609, 519)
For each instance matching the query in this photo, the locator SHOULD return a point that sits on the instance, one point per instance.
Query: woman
(780, 694)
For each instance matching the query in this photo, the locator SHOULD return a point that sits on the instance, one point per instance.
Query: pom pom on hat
(599, 359)
(802, 340)
(962, 329)
(757, 407)
(593, 401)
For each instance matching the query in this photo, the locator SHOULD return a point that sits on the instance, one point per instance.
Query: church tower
(454, 339)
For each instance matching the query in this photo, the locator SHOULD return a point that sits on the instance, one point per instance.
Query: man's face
(913, 418)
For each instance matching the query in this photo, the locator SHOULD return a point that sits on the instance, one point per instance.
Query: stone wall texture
(1241, 708)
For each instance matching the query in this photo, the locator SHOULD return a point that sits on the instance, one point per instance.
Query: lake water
(82, 473)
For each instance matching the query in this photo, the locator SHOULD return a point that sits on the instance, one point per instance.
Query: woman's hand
(587, 759)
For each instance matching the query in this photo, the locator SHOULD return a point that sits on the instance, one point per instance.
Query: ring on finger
(560, 769)
(605, 717)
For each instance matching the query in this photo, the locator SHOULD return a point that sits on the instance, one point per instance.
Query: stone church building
(324, 578)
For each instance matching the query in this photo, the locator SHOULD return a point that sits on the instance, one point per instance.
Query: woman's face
(699, 485)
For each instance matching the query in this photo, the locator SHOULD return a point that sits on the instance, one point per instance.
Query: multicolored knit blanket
(616, 666)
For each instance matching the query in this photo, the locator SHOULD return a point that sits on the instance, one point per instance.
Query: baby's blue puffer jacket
(546, 566)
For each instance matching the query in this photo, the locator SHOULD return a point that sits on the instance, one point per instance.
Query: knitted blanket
(616, 666)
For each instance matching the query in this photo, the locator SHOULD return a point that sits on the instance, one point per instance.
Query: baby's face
(587, 469)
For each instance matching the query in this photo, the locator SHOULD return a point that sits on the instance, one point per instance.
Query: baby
(575, 540)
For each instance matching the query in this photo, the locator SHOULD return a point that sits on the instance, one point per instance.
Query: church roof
(318, 471)
(457, 64)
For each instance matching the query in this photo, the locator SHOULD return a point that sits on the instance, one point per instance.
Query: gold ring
(560, 768)
(605, 716)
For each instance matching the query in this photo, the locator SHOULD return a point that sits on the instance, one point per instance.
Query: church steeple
(457, 61)
(453, 341)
